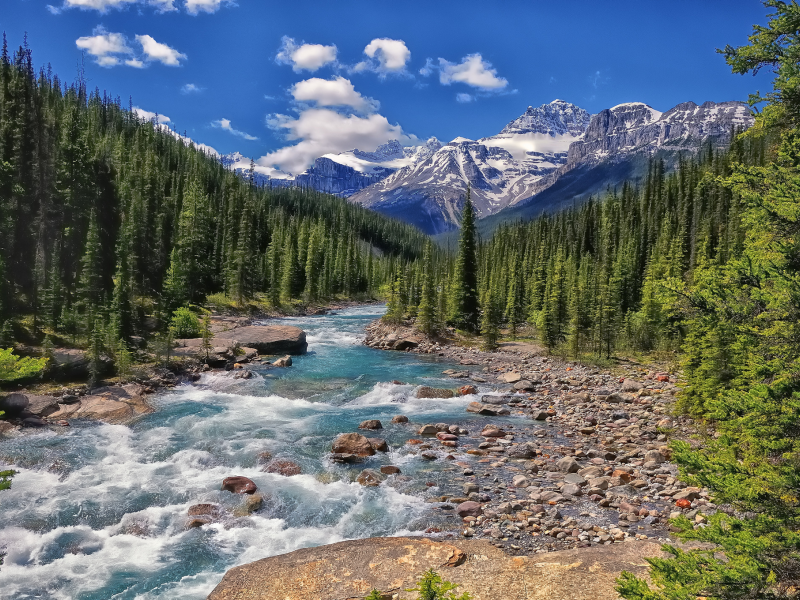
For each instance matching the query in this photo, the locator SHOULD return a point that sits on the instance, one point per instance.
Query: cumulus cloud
(323, 131)
(473, 71)
(193, 7)
(305, 57)
(191, 88)
(386, 56)
(112, 49)
(151, 116)
(226, 125)
(156, 51)
(105, 47)
(105, 5)
(335, 92)
(464, 98)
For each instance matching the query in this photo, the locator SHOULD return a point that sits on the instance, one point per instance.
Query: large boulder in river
(108, 404)
(239, 485)
(352, 443)
(429, 392)
(270, 339)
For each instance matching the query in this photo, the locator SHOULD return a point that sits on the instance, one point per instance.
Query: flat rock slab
(110, 405)
(268, 339)
(350, 570)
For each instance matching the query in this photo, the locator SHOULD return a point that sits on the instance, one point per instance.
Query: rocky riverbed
(568, 455)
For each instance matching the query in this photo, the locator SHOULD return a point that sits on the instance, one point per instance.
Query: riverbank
(569, 455)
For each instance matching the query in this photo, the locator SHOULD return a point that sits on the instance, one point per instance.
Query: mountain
(345, 173)
(501, 170)
(551, 156)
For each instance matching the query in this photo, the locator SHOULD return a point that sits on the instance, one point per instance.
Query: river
(99, 511)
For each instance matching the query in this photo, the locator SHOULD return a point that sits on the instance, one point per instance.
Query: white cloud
(305, 57)
(135, 63)
(105, 47)
(472, 70)
(323, 131)
(336, 92)
(151, 116)
(464, 98)
(191, 88)
(392, 55)
(429, 67)
(226, 125)
(156, 51)
(105, 5)
(195, 7)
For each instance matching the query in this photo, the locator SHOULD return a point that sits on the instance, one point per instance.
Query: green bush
(185, 323)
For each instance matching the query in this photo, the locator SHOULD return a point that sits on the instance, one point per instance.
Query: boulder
(197, 522)
(250, 505)
(524, 450)
(346, 458)
(496, 399)
(429, 392)
(352, 443)
(285, 361)
(524, 385)
(466, 390)
(14, 404)
(428, 430)
(108, 404)
(403, 345)
(469, 509)
(239, 485)
(493, 431)
(628, 385)
(371, 424)
(33, 422)
(43, 406)
(653, 456)
(73, 365)
(369, 478)
(268, 339)
(379, 444)
(400, 419)
(205, 510)
(390, 470)
(512, 377)
(568, 465)
(287, 468)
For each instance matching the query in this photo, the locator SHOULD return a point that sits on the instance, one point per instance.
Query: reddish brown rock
(379, 444)
(239, 485)
(353, 443)
(469, 509)
(371, 424)
(369, 478)
(466, 390)
(287, 468)
(390, 470)
(204, 510)
(400, 419)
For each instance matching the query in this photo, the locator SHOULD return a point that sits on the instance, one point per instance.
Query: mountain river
(99, 512)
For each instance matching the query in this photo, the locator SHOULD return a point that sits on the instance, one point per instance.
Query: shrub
(185, 323)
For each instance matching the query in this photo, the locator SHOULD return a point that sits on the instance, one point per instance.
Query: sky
(286, 82)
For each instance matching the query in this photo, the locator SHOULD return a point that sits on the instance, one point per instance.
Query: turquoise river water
(99, 511)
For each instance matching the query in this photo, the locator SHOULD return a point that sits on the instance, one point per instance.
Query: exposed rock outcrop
(350, 570)
(109, 404)
(272, 339)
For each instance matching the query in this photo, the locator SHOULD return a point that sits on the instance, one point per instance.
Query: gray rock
(271, 339)
(568, 465)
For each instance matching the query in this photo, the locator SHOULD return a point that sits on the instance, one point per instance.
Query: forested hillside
(106, 219)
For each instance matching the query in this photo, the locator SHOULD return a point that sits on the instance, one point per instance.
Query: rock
(268, 339)
(493, 431)
(687, 494)
(369, 478)
(399, 419)
(496, 399)
(6, 427)
(287, 468)
(33, 422)
(429, 392)
(371, 424)
(574, 479)
(351, 569)
(520, 481)
(14, 404)
(346, 458)
(73, 365)
(467, 390)
(572, 490)
(250, 505)
(683, 503)
(379, 444)
(197, 522)
(662, 377)
(511, 377)
(429, 455)
(285, 361)
(654, 456)
(524, 450)
(568, 465)
(427, 430)
(207, 510)
(239, 485)
(469, 509)
(43, 406)
(628, 385)
(352, 443)
(540, 415)
(109, 404)
(403, 345)
(524, 385)
(390, 470)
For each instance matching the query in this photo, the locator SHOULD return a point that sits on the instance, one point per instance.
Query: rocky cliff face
(617, 132)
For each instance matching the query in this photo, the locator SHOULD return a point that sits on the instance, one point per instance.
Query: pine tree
(426, 313)
(464, 306)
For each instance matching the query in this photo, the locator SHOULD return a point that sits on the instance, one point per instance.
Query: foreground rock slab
(349, 570)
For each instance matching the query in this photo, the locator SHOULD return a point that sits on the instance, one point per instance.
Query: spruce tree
(426, 313)
(464, 305)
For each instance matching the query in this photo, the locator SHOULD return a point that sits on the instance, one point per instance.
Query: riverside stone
(268, 339)
(239, 485)
(352, 443)
(429, 392)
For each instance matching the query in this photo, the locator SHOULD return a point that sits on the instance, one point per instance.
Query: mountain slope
(500, 170)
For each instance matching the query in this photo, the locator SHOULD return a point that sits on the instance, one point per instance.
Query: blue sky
(289, 81)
